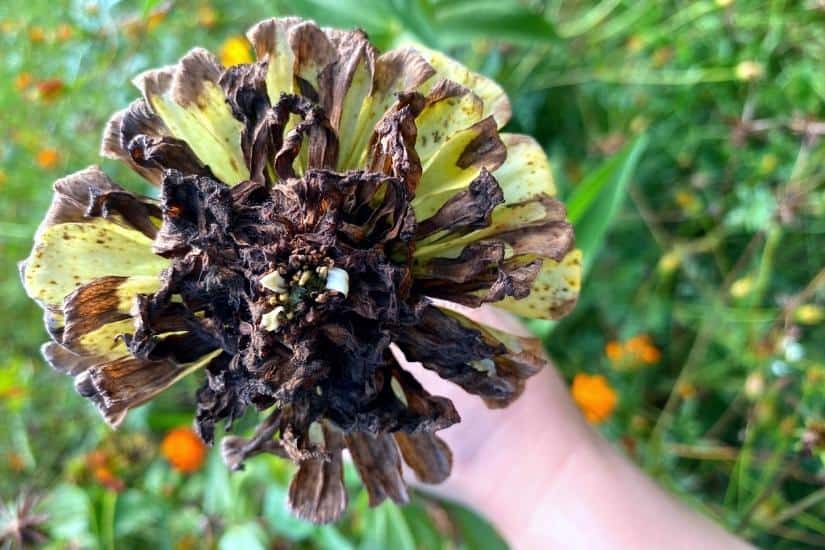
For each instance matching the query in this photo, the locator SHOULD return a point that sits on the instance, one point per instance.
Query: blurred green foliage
(686, 138)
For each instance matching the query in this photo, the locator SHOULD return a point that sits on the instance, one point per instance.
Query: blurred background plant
(687, 140)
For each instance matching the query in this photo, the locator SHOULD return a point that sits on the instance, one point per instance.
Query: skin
(547, 479)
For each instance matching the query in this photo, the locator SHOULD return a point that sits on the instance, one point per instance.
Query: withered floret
(316, 207)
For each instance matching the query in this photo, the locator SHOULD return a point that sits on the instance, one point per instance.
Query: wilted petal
(317, 492)
(313, 54)
(449, 108)
(270, 38)
(122, 384)
(468, 209)
(399, 70)
(90, 193)
(345, 87)
(69, 255)
(102, 301)
(456, 164)
(64, 360)
(525, 173)
(427, 454)
(192, 104)
(482, 360)
(166, 153)
(554, 292)
(494, 99)
(392, 145)
(379, 465)
(135, 120)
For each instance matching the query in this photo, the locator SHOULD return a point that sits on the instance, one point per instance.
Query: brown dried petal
(317, 492)
(468, 209)
(165, 153)
(66, 361)
(392, 145)
(137, 119)
(427, 454)
(91, 306)
(379, 464)
(123, 384)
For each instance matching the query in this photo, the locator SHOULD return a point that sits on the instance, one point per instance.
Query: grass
(705, 235)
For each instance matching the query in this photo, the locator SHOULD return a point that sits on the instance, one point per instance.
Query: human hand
(546, 479)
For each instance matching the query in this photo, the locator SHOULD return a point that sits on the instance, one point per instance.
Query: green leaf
(148, 6)
(510, 23)
(594, 204)
(217, 492)
(139, 514)
(330, 538)
(417, 18)
(387, 528)
(249, 536)
(279, 518)
(423, 529)
(372, 15)
(69, 513)
(474, 531)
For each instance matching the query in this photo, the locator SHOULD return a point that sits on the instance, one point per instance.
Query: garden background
(687, 142)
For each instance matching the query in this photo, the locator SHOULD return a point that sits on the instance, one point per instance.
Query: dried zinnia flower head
(316, 206)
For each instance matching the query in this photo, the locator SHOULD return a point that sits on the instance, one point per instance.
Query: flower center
(295, 287)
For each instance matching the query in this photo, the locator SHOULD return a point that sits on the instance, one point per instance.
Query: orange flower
(50, 89)
(632, 353)
(64, 32)
(183, 449)
(16, 462)
(48, 158)
(594, 396)
(108, 479)
(207, 16)
(99, 463)
(155, 18)
(37, 34)
(235, 51)
(613, 350)
(642, 347)
(23, 81)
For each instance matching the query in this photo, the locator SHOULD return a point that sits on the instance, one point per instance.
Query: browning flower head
(312, 205)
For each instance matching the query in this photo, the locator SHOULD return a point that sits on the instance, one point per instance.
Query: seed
(272, 321)
(272, 300)
(323, 271)
(338, 280)
(304, 278)
(273, 281)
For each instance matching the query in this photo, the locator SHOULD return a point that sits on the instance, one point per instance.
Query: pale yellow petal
(526, 181)
(399, 70)
(69, 255)
(106, 341)
(452, 111)
(190, 102)
(493, 96)
(270, 39)
(456, 164)
(526, 173)
(554, 292)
